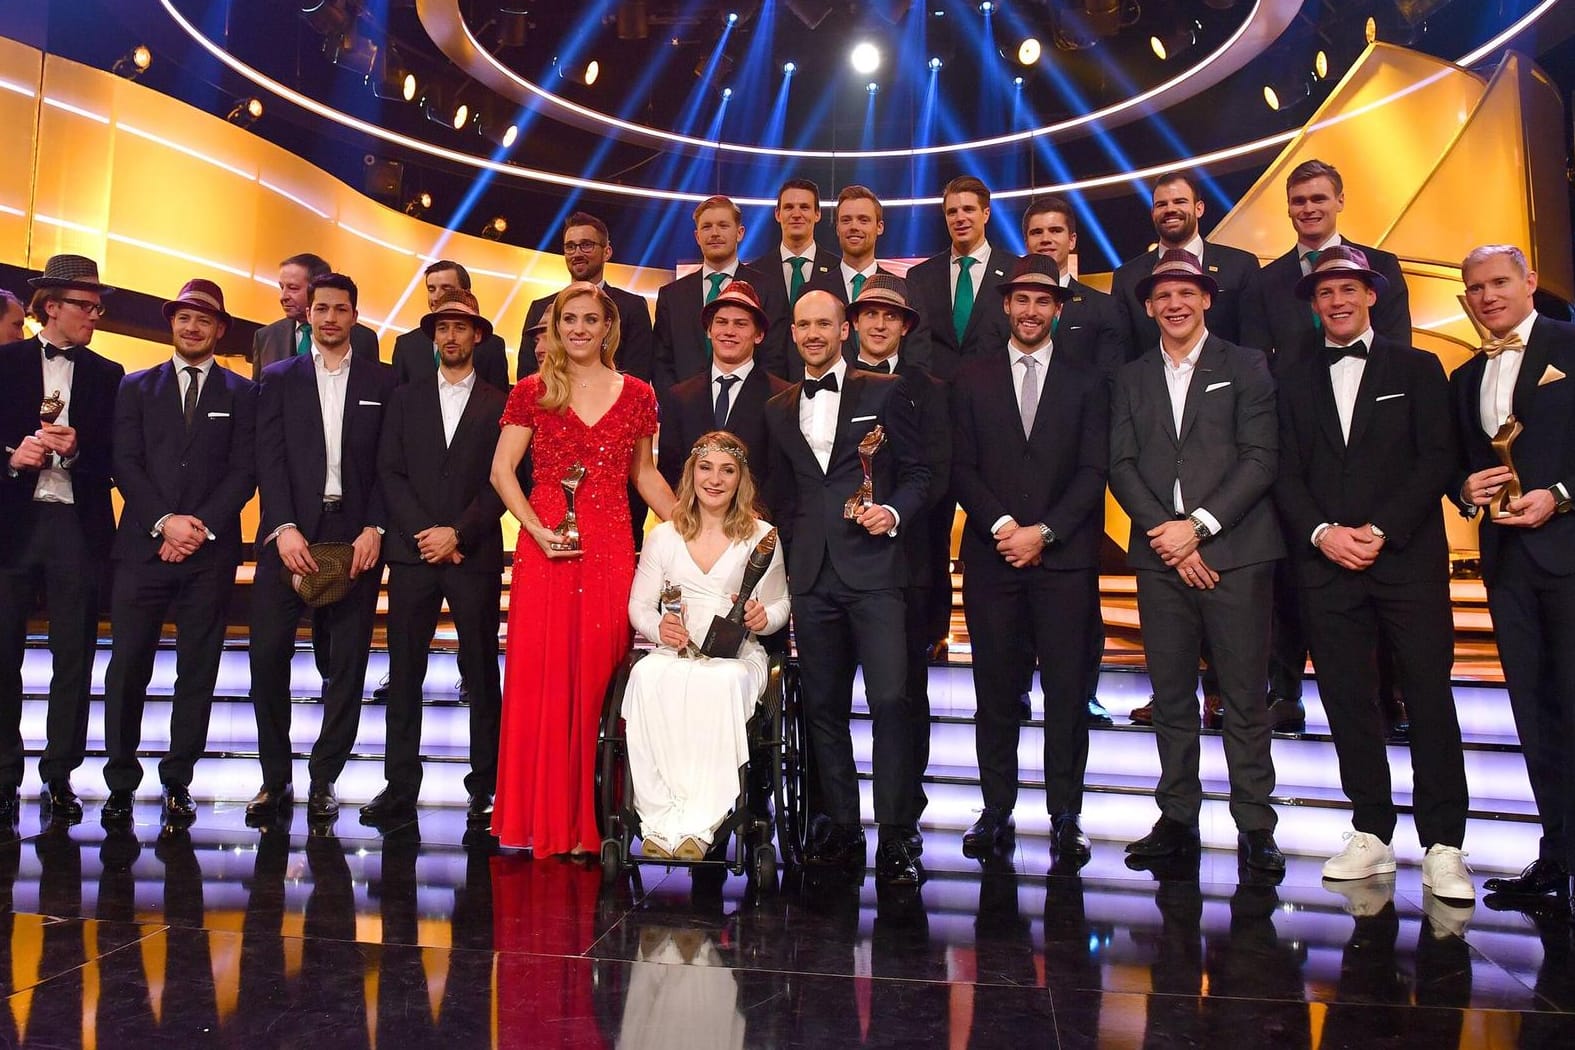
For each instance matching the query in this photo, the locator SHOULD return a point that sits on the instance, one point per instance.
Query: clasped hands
(1353, 547)
(1176, 542)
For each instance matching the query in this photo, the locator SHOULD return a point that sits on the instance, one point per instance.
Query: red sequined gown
(568, 624)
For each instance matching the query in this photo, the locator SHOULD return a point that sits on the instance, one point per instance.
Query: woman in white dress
(685, 716)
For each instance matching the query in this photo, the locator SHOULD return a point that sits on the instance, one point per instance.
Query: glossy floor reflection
(226, 936)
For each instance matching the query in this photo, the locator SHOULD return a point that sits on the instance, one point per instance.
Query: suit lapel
(852, 386)
(1328, 410)
(1532, 365)
(1202, 377)
(1154, 377)
(1002, 380)
(1374, 376)
(990, 274)
(797, 444)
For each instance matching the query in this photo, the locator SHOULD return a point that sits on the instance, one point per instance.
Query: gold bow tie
(1493, 347)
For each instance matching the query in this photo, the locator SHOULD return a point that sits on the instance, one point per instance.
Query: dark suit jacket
(94, 383)
(679, 339)
(425, 482)
(634, 333)
(923, 537)
(806, 502)
(1056, 475)
(1392, 473)
(1232, 269)
(1275, 321)
(161, 468)
(1544, 454)
(276, 342)
(1226, 456)
(1089, 331)
(825, 274)
(292, 460)
(934, 344)
(413, 359)
(688, 410)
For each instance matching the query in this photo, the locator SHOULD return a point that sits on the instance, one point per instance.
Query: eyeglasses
(87, 306)
(581, 247)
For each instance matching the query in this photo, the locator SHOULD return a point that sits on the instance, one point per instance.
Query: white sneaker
(1364, 855)
(1444, 872)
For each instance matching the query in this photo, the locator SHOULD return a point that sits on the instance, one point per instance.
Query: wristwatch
(1046, 533)
(1561, 499)
(1378, 532)
(1200, 530)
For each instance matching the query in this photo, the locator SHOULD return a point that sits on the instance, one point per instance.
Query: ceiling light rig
(133, 63)
(393, 80)
(419, 205)
(1028, 51)
(245, 112)
(1167, 46)
(495, 228)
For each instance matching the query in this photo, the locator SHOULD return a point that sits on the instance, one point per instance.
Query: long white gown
(685, 718)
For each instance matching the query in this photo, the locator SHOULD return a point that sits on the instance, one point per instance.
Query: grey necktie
(1028, 400)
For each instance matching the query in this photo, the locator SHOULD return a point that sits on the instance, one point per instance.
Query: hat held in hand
(331, 581)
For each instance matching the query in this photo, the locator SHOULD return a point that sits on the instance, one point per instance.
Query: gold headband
(705, 449)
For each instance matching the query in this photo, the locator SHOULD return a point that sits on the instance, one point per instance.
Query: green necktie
(962, 304)
(715, 290)
(1312, 264)
(303, 344)
(853, 335)
(798, 263)
(858, 285)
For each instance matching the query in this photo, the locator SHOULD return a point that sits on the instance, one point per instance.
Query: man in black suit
(1193, 448)
(954, 291)
(415, 356)
(444, 543)
(291, 335)
(587, 248)
(1366, 449)
(1528, 545)
(1178, 205)
(731, 397)
(186, 463)
(881, 318)
(319, 417)
(679, 339)
(799, 263)
(860, 221)
(54, 500)
(846, 576)
(1279, 322)
(1032, 482)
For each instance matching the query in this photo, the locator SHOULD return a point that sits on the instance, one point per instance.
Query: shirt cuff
(1559, 491)
(1000, 523)
(274, 535)
(1317, 534)
(1210, 522)
(158, 526)
(893, 511)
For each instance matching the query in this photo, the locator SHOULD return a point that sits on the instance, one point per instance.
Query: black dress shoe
(1067, 838)
(1167, 838)
(179, 810)
(1538, 879)
(843, 847)
(1097, 715)
(994, 831)
(1258, 850)
(321, 801)
(59, 803)
(913, 839)
(270, 801)
(117, 810)
(387, 806)
(895, 865)
(380, 694)
(478, 813)
(1287, 715)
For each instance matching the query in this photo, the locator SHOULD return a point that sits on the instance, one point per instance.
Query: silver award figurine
(873, 442)
(671, 600)
(569, 528)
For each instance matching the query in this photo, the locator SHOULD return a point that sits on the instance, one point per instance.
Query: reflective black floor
(225, 936)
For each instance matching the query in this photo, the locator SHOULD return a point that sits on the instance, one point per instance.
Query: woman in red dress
(569, 610)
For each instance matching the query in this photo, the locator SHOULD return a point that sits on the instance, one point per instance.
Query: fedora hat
(1035, 272)
(331, 581)
(1177, 264)
(70, 271)
(456, 302)
(1341, 261)
(198, 294)
(741, 294)
(884, 289)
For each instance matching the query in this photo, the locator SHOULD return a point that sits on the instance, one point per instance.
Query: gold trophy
(671, 600)
(873, 442)
(569, 528)
(1503, 441)
(50, 408)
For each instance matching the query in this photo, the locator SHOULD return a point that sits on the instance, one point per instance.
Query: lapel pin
(1214, 269)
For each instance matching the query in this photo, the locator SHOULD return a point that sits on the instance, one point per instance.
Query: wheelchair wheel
(793, 771)
(614, 796)
(612, 859)
(763, 865)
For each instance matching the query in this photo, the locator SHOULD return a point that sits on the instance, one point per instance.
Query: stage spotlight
(1286, 92)
(789, 68)
(395, 83)
(1321, 64)
(442, 106)
(872, 87)
(513, 25)
(633, 21)
(133, 63)
(1370, 30)
(245, 112)
(935, 65)
(1028, 51)
(592, 71)
(497, 131)
(865, 58)
(352, 51)
(986, 7)
(331, 17)
(495, 228)
(1018, 81)
(732, 18)
(1169, 45)
(727, 93)
(418, 205)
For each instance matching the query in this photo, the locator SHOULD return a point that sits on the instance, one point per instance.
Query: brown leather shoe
(1143, 716)
(1213, 710)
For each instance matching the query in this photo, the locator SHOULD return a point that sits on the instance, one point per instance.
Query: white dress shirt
(452, 398)
(1178, 380)
(706, 270)
(54, 482)
(981, 257)
(1496, 399)
(1346, 377)
(742, 372)
(848, 273)
(1302, 250)
(817, 421)
(331, 392)
(1019, 371)
(787, 264)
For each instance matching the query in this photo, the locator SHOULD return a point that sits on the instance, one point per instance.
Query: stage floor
(228, 936)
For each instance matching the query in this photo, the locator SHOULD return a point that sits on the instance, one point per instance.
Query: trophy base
(724, 639)
(852, 509)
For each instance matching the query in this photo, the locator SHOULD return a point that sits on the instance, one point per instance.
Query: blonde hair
(739, 521)
(555, 366)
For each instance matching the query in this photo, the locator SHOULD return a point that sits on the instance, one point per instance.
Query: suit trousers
(416, 592)
(145, 595)
(55, 552)
(837, 629)
(1534, 624)
(917, 607)
(1233, 619)
(1032, 617)
(276, 612)
(1345, 622)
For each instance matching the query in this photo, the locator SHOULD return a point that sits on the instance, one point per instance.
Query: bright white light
(592, 71)
(789, 68)
(727, 93)
(986, 7)
(935, 64)
(1018, 81)
(865, 57)
(872, 87)
(732, 18)
(510, 133)
(1028, 51)
(461, 116)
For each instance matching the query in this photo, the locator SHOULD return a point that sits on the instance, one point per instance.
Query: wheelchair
(743, 842)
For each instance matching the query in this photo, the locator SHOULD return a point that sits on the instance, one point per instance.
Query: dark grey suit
(1225, 457)
(934, 344)
(277, 342)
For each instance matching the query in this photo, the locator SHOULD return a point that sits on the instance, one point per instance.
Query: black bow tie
(52, 352)
(827, 382)
(1338, 353)
(884, 367)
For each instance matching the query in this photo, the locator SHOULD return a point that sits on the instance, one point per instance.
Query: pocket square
(1550, 375)
(1387, 397)
(218, 415)
(1215, 386)
(374, 404)
(863, 419)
